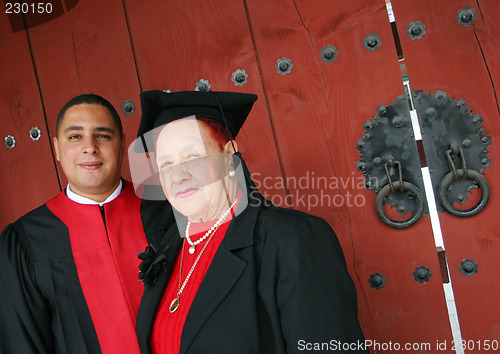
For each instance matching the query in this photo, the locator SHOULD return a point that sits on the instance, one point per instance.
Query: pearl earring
(232, 172)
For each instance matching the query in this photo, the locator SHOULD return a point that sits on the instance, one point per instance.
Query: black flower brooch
(150, 265)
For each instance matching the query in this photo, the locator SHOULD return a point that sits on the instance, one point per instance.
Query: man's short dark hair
(90, 98)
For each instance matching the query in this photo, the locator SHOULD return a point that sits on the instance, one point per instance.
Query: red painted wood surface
(297, 105)
(28, 174)
(177, 44)
(26, 14)
(486, 31)
(88, 50)
(450, 58)
(357, 83)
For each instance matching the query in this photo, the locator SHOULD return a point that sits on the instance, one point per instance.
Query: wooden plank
(355, 85)
(486, 31)
(26, 14)
(28, 169)
(177, 45)
(296, 102)
(87, 50)
(450, 58)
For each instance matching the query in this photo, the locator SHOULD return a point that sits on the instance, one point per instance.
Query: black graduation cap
(161, 107)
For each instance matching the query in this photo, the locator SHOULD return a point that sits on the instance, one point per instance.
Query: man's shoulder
(156, 214)
(32, 217)
(37, 217)
(41, 232)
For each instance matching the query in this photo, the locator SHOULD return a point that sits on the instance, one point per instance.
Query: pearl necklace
(174, 305)
(219, 222)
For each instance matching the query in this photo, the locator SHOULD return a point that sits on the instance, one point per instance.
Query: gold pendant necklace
(174, 305)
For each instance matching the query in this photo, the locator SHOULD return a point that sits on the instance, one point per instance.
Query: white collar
(84, 200)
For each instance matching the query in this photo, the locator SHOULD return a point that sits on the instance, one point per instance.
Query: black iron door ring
(386, 190)
(461, 173)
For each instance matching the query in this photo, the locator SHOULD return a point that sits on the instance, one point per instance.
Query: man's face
(90, 150)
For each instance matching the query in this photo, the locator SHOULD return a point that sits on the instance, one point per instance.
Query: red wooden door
(463, 61)
(28, 168)
(327, 104)
(301, 137)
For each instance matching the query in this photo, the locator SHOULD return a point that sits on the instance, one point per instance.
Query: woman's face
(192, 169)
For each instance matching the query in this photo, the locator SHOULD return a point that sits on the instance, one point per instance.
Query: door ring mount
(463, 173)
(402, 186)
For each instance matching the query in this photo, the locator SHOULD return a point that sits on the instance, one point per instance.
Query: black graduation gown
(277, 284)
(42, 305)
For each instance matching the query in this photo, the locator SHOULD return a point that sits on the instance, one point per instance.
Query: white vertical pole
(433, 213)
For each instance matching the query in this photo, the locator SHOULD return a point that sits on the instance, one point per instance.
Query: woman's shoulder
(278, 214)
(291, 221)
(292, 235)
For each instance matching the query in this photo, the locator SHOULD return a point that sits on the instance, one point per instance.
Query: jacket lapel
(152, 296)
(223, 273)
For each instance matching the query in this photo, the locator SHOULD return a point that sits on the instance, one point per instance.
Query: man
(68, 269)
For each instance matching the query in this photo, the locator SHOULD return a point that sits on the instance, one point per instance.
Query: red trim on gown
(106, 262)
(167, 329)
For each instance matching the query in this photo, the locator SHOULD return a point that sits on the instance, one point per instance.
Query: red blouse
(167, 329)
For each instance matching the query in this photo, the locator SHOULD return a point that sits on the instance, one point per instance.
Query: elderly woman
(236, 274)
